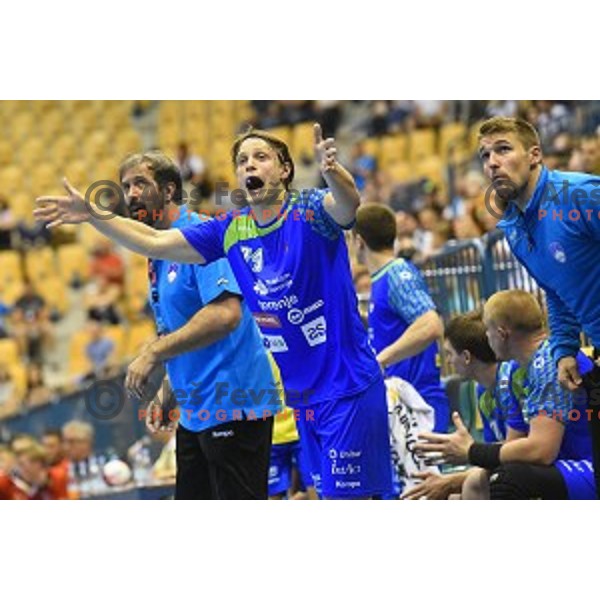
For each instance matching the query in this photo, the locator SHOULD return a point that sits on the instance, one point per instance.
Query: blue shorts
(284, 457)
(579, 478)
(346, 443)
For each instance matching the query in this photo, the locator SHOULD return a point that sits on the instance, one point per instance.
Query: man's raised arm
(167, 244)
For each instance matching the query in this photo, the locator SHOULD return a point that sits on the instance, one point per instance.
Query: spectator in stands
(52, 440)
(32, 234)
(9, 394)
(430, 113)
(590, 155)
(7, 459)
(78, 440)
(36, 392)
(329, 114)
(552, 119)
(363, 165)
(192, 167)
(8, 225)
(31, 325)
(404, 326)
(107, 263)
(31, 478)
(5, 310)
(100, 351)
(101, 300)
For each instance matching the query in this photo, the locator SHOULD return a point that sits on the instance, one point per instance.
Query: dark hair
(163, 168)
(376, 224)
(467, 332)
(280, 147)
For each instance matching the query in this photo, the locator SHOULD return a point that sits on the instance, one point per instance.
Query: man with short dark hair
(404, 326)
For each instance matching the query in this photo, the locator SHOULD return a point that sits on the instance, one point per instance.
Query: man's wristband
(486, 456)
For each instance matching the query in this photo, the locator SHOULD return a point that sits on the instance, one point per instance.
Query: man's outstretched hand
(61, 210)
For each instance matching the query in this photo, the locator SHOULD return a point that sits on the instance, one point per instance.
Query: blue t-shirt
(399, 296)
(557, 238)
(545, 396)
(230, 379)
(501, 406)
(295, 276)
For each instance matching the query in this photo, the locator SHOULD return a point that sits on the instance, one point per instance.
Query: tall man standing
(552, 225)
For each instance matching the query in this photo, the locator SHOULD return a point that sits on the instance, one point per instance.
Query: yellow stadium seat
(44, 179)
(40, 264)
(78, 174)
(11, 180)
(283, 132)
(21, 126)
(372, 146)
(95, 145)
(6, 153)
(54, 291)
(22, 205)
(303, 141)
(11, 276)
(32, 152)
(474, 136)
(451, 134)
(393, 149)
(400, 172)
(422, 144)
(78, 361)
(9, 351)
(63, 149)
(117, 334)
(51, 125)
(432, 168)
(73, 263)
(127, 142)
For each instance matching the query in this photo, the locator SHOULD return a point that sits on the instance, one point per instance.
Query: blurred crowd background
(73, 307)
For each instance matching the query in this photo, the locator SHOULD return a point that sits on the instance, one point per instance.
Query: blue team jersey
(501, 406)
(295, 276)
(230, 379)
(545, 396)
(399, 296)
(557, 238)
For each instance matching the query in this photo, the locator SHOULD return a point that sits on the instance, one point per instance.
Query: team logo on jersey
(538, 363)
(254, 258)
(558, 252)
(260, 288)
(172, 272)
(315, 332)
(406, 275)
(222, 281)
(275, 343)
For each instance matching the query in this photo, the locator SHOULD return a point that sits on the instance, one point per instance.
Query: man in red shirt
(32, 479)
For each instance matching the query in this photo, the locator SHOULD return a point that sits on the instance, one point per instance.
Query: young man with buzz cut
(295, 276)
(404, 326)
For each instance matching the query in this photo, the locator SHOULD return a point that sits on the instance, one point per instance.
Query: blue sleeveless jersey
(295, 275)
